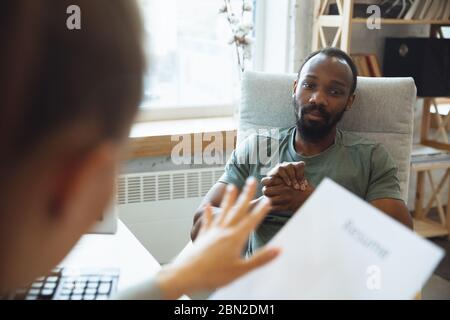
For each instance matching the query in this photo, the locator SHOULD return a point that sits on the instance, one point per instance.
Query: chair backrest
(382, 112)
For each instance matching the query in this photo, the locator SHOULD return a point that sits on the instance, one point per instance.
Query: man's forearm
(396, 209)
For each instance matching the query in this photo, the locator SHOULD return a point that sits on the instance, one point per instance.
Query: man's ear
(294, 88)
(85, 186)
(350, 101)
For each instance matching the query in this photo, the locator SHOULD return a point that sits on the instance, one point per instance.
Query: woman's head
(67, 100)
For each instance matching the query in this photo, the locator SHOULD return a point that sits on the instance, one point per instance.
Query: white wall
(273, 35)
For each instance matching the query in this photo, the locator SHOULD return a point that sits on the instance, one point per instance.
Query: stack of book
(367, 65)
(401, 9)
(426, 10)
(425, 154)
(359, 10)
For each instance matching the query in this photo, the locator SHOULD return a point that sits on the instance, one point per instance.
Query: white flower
(234, 20)
(248, 6)
(245, 27)
(240, 30)
(240, 34)
(248, 40)
(223, 8)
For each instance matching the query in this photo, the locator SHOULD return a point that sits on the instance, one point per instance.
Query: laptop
(68, 283)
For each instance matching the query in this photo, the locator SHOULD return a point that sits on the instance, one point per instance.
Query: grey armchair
(382, 112)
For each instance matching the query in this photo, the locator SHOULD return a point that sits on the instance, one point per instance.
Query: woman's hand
(215, 258)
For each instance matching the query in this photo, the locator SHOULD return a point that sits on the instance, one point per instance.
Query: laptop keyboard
(71, 284)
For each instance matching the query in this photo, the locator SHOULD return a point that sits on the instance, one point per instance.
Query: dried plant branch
(240, 31)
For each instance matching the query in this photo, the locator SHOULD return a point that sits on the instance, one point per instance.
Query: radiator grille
(167, 185)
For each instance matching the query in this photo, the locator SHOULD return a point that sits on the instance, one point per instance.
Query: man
(313, 149)
(67, 101)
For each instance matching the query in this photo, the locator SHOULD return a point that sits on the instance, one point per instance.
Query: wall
(273, 31)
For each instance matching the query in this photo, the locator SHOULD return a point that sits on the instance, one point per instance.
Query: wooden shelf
(406, 22)
(343, 24)
(430, 165)
(428, 228)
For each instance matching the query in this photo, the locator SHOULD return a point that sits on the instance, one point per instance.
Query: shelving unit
(403, 21)
(342, 24)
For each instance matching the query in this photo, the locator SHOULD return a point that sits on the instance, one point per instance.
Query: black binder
(427, 60)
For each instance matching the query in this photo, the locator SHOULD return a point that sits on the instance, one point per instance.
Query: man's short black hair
(338, 53)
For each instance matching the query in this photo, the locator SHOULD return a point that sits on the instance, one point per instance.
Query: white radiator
(158, 207)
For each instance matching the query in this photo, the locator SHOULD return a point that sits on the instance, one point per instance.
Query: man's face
(322, 95)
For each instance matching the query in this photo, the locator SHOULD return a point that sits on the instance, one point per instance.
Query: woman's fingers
(207, 217)
(227, 203)
(243, 203)
(250, 222)
(217, 259)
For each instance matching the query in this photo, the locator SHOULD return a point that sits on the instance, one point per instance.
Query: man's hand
(283, 197)
(292, 173)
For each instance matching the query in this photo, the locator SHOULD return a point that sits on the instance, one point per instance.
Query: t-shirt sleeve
(383, 181)
(237, 169)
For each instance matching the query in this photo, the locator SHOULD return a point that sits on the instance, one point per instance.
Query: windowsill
(154, 138)
(185, 126)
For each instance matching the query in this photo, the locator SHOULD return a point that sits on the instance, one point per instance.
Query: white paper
(339, 247)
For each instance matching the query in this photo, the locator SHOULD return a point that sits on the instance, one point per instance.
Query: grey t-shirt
(361, 166)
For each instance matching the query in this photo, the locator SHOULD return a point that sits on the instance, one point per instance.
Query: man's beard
(311, 130)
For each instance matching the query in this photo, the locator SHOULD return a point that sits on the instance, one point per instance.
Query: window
(446, 32)
(193, 70)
